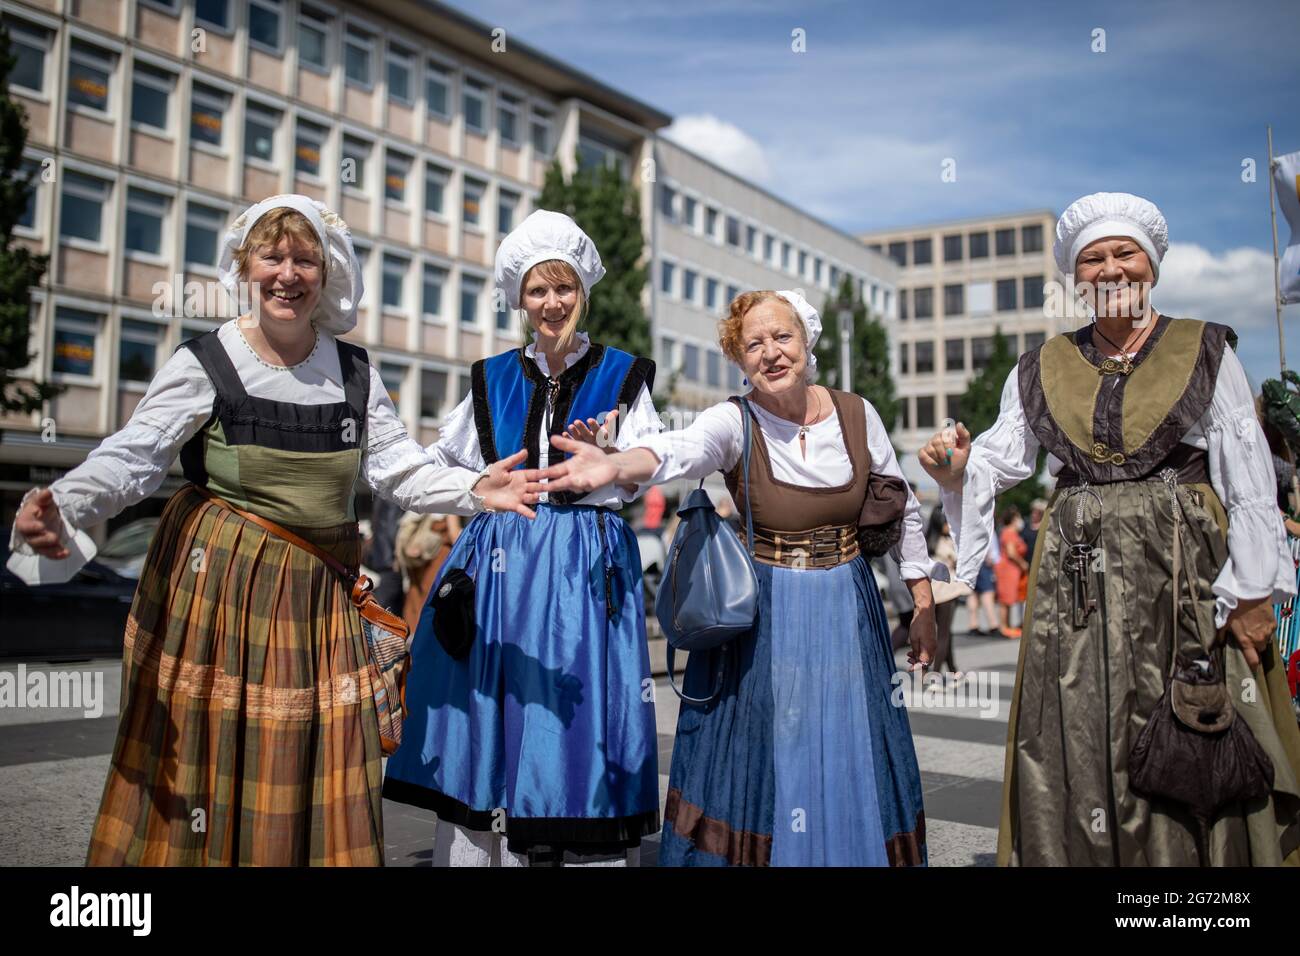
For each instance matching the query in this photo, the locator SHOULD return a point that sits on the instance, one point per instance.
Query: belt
(1192, 465)
(825, 547)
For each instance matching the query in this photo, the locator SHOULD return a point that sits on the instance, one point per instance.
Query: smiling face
(552, 297)
(282, 260)
(773, 346)
(1117, 277)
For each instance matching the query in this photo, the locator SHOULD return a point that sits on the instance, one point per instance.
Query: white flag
(1286, 177)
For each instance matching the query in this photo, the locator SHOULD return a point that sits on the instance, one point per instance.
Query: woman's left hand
(1252, 624)
(595, 433)
(923, 634)
(504, 488)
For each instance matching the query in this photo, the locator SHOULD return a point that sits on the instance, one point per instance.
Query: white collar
(537, 355)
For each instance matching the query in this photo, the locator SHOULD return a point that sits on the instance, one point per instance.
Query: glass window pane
(87, 84)
(307, 149)
(952, 248)
(399, 78)
(264, 25)
(469, 296)
(149, 104)
(435, 279)
(29, 71)
(979, 245)
(435, 182)
(259, 137)
(81, 216)
(921, 252)
(216, 12)
(207, 114)
(136, 360)
(433, 392)
(435, 92)
(1006, 242)
(74, 342)
(144, 219)
(311, 44)
(472, 205)
(356, 61)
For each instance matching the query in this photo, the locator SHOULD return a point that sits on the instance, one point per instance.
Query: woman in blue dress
(806, 757)
(544, 733)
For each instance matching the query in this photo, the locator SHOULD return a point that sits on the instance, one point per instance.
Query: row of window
(85, 199)
(729, 230)
(698, 364)
(92, 70)
(707, 291)
(958, 247)
(919, 357)
(974, 298)
(76, 353)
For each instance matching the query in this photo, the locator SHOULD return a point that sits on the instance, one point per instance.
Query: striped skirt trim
(248, 733)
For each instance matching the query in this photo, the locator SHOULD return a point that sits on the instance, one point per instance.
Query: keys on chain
(1079, 553)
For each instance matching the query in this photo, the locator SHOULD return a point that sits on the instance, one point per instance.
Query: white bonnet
(1101, 215)
(542, 236)
(812, 322)
(336, 312)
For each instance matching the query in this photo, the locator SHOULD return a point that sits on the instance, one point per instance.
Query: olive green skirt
(1083, 694)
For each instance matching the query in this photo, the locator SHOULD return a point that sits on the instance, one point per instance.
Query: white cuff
(32, 568)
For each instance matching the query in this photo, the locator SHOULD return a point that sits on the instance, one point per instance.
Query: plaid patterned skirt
(248, 733)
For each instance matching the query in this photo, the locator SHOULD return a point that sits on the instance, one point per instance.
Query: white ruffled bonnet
(1102, 215)
(545, 235)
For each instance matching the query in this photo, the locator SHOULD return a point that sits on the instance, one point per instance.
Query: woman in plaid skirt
(248, 732)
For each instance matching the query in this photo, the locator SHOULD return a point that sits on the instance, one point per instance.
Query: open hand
(587, 468)
(945, 455)
(595, 433)
(39, 524)
(506, 489)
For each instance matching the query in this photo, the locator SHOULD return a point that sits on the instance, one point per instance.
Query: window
(711, 294)
(689, 281)
(903, 299)
(732, 293)
(733, 232)
(818, 270)
(83, 207)
(666, 352)
(786, 251)
(691, 362)
(508, 119)
(952, 248)
(979, 298)
(666, 197)
(75, 335)
(1031, 238)
(260, 126)
(435, 189)
(397, 168)
(954, 407)
(541, 132)
(923, 303)
(751, 240)
(1005, 240)
(1032, 292)
(203, 228)
(309, 143)
(688, 211)
(264, 24)
(145, 212)
(595, 153)
(905, 412)
(31, 173)
(393, 376)
(313, 38)
(137, 352)
(151, 93)
(922, 252)
(502, 313)
(394, 281)
(903, 366)
(924, 357)
(1006, 292)
(1033, 340)
(399, 74)
(666, 272)
(214, 12)
(355, 154)
(898, 252)
(29, 44)
(472, 203)
(208, 107)
(437, 91)
(925, 411)
(979, 245)
(90, 71)
(733, 377)
(433, 392)
(803, 263)
(954, 355)
(713, 369)
(981, 350)
(474, 104)
(435, 280)
(953, 299)
(358, 52)
(769, 248)
(470, 290)
(507, 203)
(710, 222)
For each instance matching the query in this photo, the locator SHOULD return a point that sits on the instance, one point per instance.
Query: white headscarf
(543, 236)
(812, 324)
(336, 312)
(1102, 215)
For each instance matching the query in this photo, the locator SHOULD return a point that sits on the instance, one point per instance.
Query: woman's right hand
(39, 523)
(505, 488)
(945, 455)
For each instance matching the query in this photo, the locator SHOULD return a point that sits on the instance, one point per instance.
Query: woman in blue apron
(544, 732)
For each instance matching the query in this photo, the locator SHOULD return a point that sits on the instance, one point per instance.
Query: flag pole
(1277, 287)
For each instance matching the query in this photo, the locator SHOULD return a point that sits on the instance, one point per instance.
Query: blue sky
(855, 129)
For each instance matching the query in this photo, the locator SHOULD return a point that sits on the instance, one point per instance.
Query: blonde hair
(277, 224)
(557, 271)
(731, 327)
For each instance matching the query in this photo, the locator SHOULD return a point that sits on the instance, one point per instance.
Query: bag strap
(360, 586)
(717, 681)
(747, 426)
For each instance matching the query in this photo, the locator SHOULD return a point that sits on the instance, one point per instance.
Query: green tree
(979, 410)
(868, 352)
(608, 208)
(20, 269)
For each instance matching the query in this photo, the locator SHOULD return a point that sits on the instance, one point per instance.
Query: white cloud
(724, 143)
(1234, 287)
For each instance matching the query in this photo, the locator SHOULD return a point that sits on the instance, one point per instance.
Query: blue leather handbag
(709, 592)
